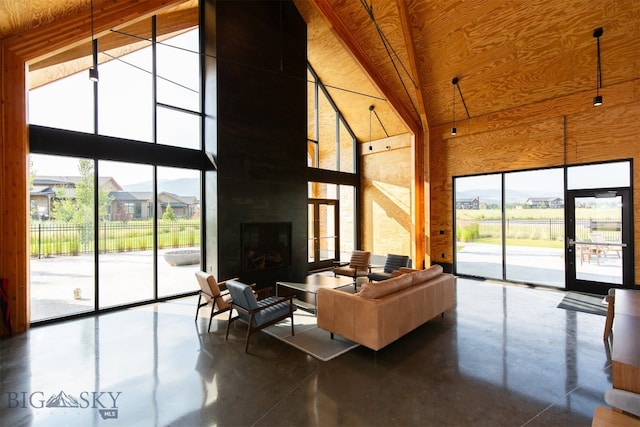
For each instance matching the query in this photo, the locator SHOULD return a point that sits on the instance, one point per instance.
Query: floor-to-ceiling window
(115, 218)
(478, 223)
(534, 227)
(510, 226)
(332, 162)
(537, 227)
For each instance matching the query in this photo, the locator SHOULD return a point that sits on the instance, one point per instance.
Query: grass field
(581, 213)
(531, 227)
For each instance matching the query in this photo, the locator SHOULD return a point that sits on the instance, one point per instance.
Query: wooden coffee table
(311, 285)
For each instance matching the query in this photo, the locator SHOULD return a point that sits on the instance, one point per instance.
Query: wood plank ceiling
(401, 55)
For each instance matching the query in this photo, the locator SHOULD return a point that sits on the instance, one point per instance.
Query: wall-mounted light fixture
(93, 71)
(371, 108)
(597, 100)
(454, 82)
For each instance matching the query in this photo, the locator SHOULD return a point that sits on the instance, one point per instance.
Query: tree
(168, 214)
(79, 209)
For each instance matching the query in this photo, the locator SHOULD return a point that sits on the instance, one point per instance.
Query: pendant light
(597, 100)
(454, 82)
(93, 71)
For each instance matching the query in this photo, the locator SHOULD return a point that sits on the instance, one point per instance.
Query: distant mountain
(493, 197)
(180, 187)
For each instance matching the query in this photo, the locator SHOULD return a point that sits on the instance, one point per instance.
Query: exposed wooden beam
(167, 24)
(344, 35)
(58, 36)
(420, 155)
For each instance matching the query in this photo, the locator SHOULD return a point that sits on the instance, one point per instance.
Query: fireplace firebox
(265, 245)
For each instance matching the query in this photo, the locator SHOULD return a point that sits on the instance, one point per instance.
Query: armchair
(358, 266)
(258, 314)
(391, 264)
(210, 294)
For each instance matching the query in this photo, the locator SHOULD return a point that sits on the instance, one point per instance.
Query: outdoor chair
(358, 266)
(258, 314)
(391, 263)
(599, 238)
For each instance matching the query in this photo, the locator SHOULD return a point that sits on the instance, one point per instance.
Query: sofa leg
(331, 335)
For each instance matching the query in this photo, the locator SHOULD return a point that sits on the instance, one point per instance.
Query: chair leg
(246, 341)
(210, 320)
(608, 324)
(292, 331)
(228, 324)
(198, 306)
(249, 330)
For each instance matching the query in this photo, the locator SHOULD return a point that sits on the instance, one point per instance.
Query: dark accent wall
(257, 127)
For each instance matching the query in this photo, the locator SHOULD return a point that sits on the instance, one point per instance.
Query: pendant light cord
(370, 113)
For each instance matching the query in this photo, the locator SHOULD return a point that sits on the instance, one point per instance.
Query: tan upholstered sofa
(384, 311)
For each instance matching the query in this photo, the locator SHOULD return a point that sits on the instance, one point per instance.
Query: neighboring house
(46, 189)
(130, 205)
(182, 206)
(544, 202)
(124, 206)
(468, 203)
(133, 205)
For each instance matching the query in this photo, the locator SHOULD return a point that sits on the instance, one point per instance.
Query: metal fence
(544, 229)
(64, 239)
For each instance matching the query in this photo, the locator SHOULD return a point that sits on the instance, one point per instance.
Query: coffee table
(311, 285)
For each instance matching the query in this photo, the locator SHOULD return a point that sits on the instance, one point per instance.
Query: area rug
(587, 303)
(309, 338)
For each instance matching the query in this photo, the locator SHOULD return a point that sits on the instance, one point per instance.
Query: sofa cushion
(373, 290)
(422, 276)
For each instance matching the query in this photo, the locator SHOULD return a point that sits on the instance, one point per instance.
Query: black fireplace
(265, 245)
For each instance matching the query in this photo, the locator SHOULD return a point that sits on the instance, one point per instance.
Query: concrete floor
(504, 356)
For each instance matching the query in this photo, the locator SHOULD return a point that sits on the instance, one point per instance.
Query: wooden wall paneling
(387, 196)
(535, 139)
(17, 52)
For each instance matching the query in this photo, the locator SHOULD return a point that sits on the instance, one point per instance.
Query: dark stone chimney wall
(256, 126)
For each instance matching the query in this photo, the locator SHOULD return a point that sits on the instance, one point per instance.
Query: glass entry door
(323, 232)
(599, 249)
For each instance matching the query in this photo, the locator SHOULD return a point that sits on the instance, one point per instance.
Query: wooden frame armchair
(391, 263)
(258, 314)
(212, 293)
(215, 294)
(358, 266)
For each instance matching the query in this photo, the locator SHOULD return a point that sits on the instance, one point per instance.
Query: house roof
(68, 180)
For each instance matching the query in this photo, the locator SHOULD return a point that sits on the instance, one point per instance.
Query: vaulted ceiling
(401, 55)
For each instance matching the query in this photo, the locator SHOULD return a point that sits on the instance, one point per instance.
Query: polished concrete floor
(504, 356)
